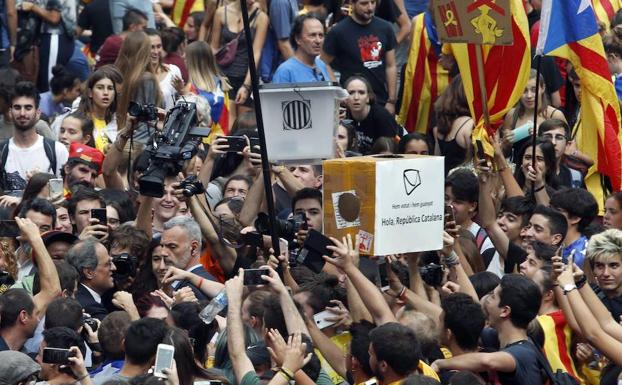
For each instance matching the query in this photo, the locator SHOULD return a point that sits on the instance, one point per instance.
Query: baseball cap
(15, 367)
(87, 155)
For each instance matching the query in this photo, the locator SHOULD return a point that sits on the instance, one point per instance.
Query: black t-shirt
(378, 123)
(527, 367)
(96, 17)
(614, 305)
(516, 256)
(388, 10)
(361, 49)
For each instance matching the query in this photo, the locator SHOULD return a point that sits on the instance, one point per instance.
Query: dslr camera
(191, 186)
(143, 112)
(432, 274)
(286, 229)
(126, 265)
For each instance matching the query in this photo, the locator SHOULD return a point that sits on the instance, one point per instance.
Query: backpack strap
(480, 237)
(49, 146)
(4, 154)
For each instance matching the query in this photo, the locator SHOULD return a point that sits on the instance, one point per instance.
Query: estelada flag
(605, 10)
(424, 77)
(506, 72)
(568, 29)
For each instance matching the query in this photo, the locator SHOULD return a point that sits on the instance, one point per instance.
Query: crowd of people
(99, 278)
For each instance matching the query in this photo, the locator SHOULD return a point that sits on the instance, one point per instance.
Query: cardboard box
(394, 203)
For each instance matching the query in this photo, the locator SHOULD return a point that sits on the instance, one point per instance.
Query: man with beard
(27, 152)
(82, 168)
(365, 44)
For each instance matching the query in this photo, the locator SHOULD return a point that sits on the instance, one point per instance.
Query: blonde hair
(7, 251)
(604, 245)
(202, 67)
(134, 63)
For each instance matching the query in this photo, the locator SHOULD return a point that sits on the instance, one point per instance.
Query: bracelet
(581, 282)
(392, 101)
(200, 283)
(247, 87)
(402, 293)
(288, 373)
(81, 378)
(540, 188)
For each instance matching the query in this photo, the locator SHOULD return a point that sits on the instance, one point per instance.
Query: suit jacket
(201, 272)
(90, 306)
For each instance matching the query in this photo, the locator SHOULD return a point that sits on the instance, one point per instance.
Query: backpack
(559, 377)
(50, 152)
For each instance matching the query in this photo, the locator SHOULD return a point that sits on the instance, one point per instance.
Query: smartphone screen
(252, 277)
(164, 359)
(55, 186)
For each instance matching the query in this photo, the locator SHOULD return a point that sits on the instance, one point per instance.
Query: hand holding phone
(164, 360)
(100, 215)
(235, 143)
(57, 356)
(321, 319)
(252, 277)
(55, 186)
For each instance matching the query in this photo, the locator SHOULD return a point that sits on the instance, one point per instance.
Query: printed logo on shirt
(371, 51)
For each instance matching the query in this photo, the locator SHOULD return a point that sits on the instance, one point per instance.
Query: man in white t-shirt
(26, 149)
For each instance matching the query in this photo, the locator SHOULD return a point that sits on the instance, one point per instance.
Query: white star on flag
(585, 4)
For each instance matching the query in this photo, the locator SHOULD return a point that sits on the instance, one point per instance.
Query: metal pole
(535, 125)
(265, 166)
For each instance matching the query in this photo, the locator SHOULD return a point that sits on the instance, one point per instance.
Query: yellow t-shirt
(342, 341)
(99, 134)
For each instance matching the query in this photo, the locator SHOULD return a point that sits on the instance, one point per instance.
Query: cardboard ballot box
(394, 203)
(300, 120)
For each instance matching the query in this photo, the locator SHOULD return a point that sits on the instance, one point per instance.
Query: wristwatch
(568, 288)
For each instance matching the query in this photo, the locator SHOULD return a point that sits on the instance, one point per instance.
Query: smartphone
(481, 155)
(55, 186)
(320, 319)
(384, 277)
(236, 143)
(252, 238)
(522, 132)
(9, 228)
(100, 214)
(164, 359)
(449, 214)
(313, 249)
(252, 277)
(255, 145)
(57, 356)
(284, 247)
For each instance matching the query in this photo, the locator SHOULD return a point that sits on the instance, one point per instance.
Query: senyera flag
(568, 29)
(506, 72)
(605, 10)
(424, 77)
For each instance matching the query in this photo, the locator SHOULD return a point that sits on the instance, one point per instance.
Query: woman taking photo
(371, 120)
(99, 103)
(454, 125)
(140, 85)
(228, 27)
(207, 81)
(518, 124)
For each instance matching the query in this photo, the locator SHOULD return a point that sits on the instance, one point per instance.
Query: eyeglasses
(557, 137)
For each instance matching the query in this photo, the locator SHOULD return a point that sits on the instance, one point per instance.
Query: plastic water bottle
(216, 305)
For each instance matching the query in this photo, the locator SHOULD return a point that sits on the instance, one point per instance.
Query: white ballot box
(394, 203)
(300, 120)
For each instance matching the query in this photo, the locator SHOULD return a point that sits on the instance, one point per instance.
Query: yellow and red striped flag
(568, 29)
(424, 77)
(605, 10)
(183, 8)
(506, 72)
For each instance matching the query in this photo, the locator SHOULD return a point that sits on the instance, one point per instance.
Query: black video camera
(126, 265)
(432, 274)
(284, 228)
(169, 149)
(191, 186)
(143, 112)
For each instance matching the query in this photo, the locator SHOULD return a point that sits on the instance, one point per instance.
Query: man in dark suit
(181, 247)
(95, 266)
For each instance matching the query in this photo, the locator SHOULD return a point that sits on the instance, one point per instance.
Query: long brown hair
(202, 67)
(134, 62)
(105, 72)
(544, 103)
(450, 105)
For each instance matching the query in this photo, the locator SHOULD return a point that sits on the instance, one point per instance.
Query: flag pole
(482, 85)
(265, 166)
(534, 134)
